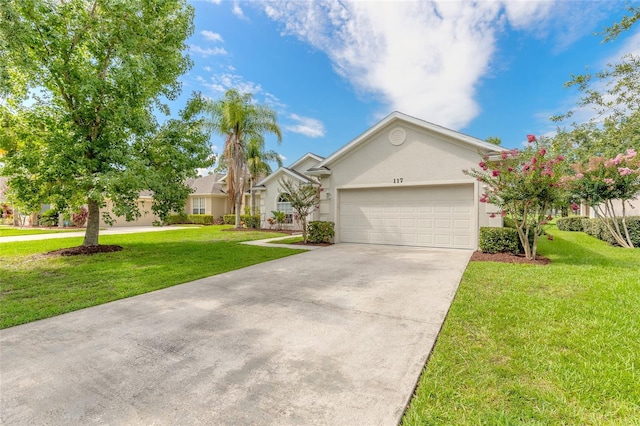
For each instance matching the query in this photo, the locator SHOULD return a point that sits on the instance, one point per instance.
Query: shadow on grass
(578, 248)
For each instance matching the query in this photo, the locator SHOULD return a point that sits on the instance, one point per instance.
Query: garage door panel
(426, 216)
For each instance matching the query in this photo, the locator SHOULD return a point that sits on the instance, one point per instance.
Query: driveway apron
(336, 336)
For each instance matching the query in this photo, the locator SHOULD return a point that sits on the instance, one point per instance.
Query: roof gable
(306, 157)
(284, 172)
(210, 184)
(398, 117)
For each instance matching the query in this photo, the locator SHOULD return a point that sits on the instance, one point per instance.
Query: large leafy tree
(100, 68)
(239, 120)
(612, 98)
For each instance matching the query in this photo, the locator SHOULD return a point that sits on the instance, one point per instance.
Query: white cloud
(208, 51)
(210, 35)
(238, 11)
(220, 83)
(423, 58)
(307, 126)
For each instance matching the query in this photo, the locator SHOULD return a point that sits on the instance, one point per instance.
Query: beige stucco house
(400, 183)
(208, 196)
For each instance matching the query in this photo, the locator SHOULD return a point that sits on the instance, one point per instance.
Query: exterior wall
(268, 203)
(144, 206)
(215, 205)
(631, 209)
(423, 159)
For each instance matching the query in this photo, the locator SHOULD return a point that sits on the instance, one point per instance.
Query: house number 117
(398, 180)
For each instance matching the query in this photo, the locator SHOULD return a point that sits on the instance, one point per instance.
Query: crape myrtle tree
(239, 120)
(90, 75)
(304, 199)
(603, 149)
(524, 184)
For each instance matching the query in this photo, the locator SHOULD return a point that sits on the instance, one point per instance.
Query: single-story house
(208, 196)
(399, 183)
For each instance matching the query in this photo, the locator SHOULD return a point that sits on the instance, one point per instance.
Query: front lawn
(10, 231)
(543, 345)
(33, 286)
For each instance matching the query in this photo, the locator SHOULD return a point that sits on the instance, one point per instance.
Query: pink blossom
(492, 215)
(608, 181)
(483, 165)
(504, 155)
(534, 160)
(624, 171)
(503, 213)
(510, 169)
(575, 207)
(579, 176)
(531, 138)
(560, 158)
(514, 152)
(631, 153)
(543, 152)
(495, 173)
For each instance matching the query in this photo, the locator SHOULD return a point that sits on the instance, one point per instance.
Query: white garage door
(436, 216)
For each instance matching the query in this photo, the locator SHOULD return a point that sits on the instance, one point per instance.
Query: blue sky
(331, 69)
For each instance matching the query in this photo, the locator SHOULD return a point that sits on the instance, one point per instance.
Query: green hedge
(572, 223)
(200, 219)
(175, 219)
(48, 218)
(499, 240)
(597, 229)
(320, 231)
(250, 221)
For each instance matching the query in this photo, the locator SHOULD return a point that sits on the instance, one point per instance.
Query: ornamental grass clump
(599, 182)
(525, 185)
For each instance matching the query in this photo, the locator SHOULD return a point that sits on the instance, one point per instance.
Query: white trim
(283, 170)
(406, 185)
(304, 158)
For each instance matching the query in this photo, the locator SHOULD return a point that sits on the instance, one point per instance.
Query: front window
(284, 205)
(198, 206)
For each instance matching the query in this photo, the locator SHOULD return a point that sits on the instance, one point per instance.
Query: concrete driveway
(336, 336)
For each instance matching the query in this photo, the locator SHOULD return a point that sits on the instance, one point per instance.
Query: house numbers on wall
(398, 180)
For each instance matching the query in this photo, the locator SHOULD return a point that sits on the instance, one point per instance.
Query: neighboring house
(399, 183)
(146, 218)
(632, 208)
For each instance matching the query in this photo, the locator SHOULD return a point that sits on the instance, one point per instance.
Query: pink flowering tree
(524, 184)
(601, 181)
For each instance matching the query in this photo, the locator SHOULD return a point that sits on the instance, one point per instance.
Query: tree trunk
(93, 224)
(238, 206)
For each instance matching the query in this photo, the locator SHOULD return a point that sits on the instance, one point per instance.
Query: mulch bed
(84, 250)
(479, 256)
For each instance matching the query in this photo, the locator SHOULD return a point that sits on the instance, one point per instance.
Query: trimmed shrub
(320, 231)
(499, 240)
(250, 221)
(175, 219)
(597, 229)
(508, 222)
(229, 219)
(201, 219)
(49, 218)
(571, 223)
(79, 218)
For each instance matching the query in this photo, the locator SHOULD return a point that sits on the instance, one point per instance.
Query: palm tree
(239, 120)
(258, 164)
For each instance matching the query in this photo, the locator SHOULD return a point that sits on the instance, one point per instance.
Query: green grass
(34, 287)
(539, 345)
(287, 240)
(10, 231)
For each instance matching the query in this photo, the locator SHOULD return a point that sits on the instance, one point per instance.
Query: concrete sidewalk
(109, 231)
(336, 336)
